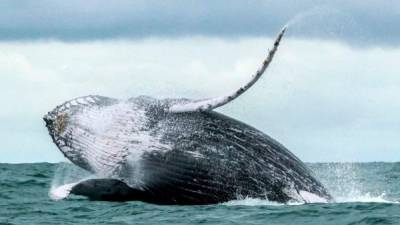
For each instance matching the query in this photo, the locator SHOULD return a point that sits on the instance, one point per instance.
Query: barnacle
(61, 122)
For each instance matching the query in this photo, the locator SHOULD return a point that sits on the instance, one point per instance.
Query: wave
(364, 198)
(367, 198)
(257, 202)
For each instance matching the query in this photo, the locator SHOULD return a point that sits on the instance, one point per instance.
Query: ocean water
(365, 193)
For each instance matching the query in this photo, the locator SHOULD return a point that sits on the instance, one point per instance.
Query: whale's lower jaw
(116, 190)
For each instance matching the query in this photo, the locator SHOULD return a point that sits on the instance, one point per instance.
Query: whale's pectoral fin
(98, 189)
(212, 103)
(107, 190)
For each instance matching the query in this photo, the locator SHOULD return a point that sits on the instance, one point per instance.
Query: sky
(330, 95)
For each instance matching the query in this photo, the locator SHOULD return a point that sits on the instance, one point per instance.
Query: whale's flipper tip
(213, 103)
(284, 29)
(103, 189)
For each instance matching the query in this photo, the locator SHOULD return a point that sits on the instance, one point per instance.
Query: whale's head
(99, 133)
(63, 125)
(92, 131)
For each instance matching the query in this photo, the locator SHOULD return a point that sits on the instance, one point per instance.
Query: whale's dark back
(216, 158)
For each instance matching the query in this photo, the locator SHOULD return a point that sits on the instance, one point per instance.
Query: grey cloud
(358, 22)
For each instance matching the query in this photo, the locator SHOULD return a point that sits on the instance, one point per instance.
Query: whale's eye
(61, 122)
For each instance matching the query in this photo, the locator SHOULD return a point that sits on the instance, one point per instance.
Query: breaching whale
(176, 151)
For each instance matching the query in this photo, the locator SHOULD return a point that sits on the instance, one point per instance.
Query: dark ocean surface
(365, 193)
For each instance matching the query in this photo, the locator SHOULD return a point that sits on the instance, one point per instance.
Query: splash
(363, 198)
(257, 202)
(351, 182)
(304, 16)
(347, 183)
(65, 177)
(61, 192)
(302, 197)
(325, 21)
(367, 198)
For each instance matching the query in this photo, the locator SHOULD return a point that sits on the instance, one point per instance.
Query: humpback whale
(176, 151)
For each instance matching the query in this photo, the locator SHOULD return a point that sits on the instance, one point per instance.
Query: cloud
(324, 100)
(359, 23)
